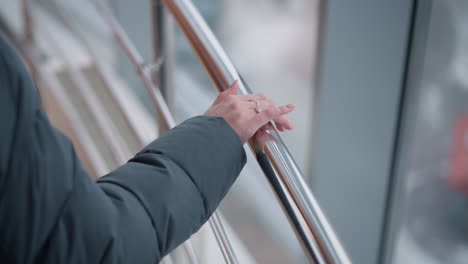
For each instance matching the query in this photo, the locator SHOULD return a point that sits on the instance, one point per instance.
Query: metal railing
(307, 218)
(144, 70)
(160, 106)
(318, 238)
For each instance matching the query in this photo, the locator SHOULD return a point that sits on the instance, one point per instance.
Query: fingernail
(291, 105)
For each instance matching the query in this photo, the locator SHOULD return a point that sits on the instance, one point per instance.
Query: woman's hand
(241, 112)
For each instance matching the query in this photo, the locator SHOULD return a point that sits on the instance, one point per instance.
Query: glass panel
(433, 214)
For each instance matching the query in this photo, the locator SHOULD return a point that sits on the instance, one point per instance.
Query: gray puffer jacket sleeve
(51, 211)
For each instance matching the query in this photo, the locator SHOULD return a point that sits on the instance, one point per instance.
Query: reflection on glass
(434, 213)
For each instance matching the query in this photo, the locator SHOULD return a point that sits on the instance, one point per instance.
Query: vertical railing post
(308, 220)
(163, 50)
(162, 70)
(164, 53)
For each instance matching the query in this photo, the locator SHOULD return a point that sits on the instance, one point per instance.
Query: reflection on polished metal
(307, 218)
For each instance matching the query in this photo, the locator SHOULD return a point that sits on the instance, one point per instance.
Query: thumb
(232, 90)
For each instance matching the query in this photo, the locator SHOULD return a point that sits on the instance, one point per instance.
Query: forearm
(181, 177)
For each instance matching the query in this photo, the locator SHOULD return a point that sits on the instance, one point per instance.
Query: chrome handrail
(165, 116)
(307, 218)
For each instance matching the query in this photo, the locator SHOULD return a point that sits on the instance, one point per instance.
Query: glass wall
(430, 215)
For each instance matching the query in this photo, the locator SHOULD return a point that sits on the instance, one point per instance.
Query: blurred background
(380, 126)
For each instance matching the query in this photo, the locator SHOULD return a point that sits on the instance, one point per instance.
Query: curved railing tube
(307, 218)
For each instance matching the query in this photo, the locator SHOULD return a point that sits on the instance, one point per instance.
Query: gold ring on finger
(257, 108)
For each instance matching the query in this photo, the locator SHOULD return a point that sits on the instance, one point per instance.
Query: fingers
(232, 90)
(283, 123)
(280, 127)
(286, 109)
(260, 138)
(246, 106)
(268, 113)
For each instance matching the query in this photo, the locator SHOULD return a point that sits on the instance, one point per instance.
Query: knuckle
(235, 105)
(231, 106)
